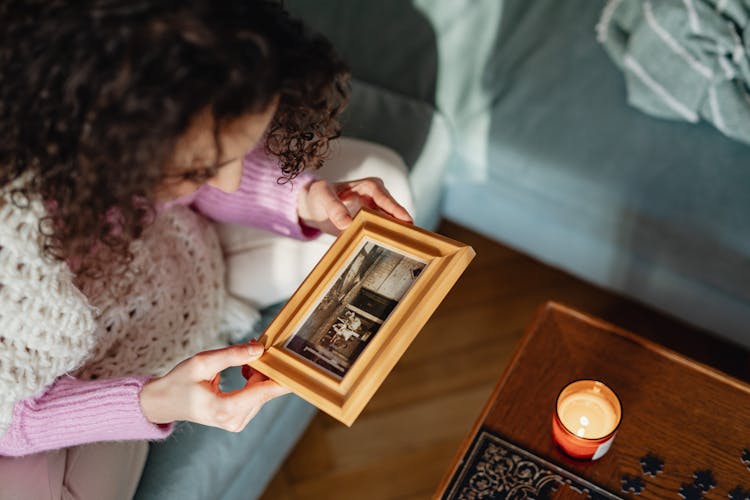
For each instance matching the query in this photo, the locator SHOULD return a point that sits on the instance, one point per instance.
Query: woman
(123, 126)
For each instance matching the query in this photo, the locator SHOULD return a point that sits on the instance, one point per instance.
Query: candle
(587, 415)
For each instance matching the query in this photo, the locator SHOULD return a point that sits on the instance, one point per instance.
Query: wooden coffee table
(692, 420)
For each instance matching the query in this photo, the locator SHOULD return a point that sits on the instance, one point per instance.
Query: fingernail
(254, 349)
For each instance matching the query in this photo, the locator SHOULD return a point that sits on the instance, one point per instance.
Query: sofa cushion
(412, 128)
(661, 200)
(387, 43)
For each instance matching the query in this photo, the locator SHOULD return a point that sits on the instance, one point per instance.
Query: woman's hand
(191, 390)
(329, 207)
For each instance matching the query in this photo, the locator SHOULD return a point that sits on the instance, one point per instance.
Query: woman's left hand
(329, 207)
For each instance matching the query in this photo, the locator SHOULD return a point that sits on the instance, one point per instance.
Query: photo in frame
(350, 321)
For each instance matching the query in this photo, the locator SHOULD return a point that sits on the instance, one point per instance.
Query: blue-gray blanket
(684, 59)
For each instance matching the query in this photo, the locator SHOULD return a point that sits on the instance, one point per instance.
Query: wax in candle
(587, 414)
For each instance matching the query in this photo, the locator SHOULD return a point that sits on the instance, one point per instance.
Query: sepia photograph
(359, 301)
(345, 328)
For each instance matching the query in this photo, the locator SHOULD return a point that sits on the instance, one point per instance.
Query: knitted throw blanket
(167, 308)
(684, 59)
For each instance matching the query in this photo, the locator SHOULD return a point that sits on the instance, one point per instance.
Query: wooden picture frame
(346, 326)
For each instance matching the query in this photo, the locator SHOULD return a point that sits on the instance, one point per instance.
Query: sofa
(513, 121)
(550, 158)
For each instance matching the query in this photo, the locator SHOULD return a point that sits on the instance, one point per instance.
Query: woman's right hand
(190, 391)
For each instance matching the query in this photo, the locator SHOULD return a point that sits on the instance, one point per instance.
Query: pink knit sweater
(72, 412)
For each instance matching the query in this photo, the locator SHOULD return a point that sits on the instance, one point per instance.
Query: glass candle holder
(586, 418)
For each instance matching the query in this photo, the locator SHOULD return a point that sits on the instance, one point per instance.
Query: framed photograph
(351, 320)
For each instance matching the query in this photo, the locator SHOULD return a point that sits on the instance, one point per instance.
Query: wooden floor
(401, 445)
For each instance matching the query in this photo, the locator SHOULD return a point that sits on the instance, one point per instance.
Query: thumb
(258, 392)
(205, 365)
(335, 209)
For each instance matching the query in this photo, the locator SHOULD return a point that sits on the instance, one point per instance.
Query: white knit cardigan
(168, 307)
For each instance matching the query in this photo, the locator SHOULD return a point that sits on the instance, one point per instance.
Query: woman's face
(196, 151)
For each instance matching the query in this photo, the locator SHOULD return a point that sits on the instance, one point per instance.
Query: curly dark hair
(94, 94)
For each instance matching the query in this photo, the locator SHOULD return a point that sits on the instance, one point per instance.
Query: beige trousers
(97, 471)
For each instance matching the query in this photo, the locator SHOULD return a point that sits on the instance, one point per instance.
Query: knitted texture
(143, 322)
(166, 307)
(169, 305)
(45, 321)
(102, 410)
(261, 200)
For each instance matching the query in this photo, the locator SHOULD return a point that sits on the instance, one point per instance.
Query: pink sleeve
(72, 412)
(260, 200)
